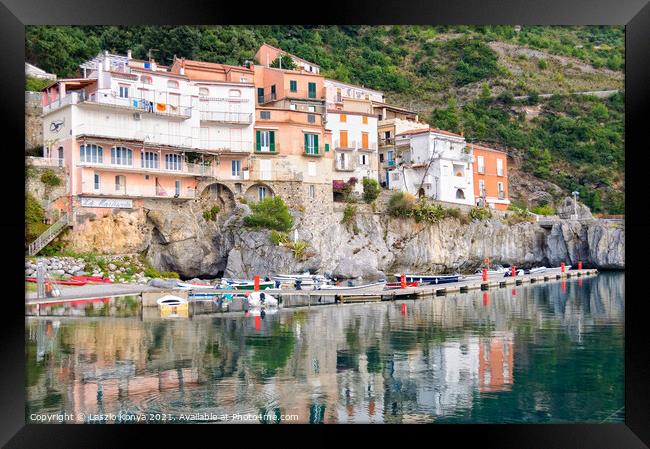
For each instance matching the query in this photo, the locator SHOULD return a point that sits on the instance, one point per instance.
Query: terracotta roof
(428, 130)
(212, 65)
(479, 147)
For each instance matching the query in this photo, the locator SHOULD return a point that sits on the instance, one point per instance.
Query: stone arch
(219, 193)
(253, 192)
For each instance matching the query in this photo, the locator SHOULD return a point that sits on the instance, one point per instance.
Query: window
(364, 140)
(312, 90)
(311, 108)
(293, 86)
(265, 141)
(91, 154)
(260, 95)
(499, 167)
(265, 115)
(173, 161)
(262, 192)
(480, 160)
(343, 139)
(327, 147)
(312, 192)
(311, 168)
(363, 159)
(364, 120)
(124, 91)
(502, 193)
(381, 157)
(311, 118)
(234, 93)
(311, 143)
(121, 156)
(172, 84)
(293, 106)
(120, 181)
(146, 79)
(338, 96)
(343, 118)
(97, 181)
(481, 187)
(149, 159)
(177, 188)
(204, 92)
(460, 195)
(273, 92)
(235, 168)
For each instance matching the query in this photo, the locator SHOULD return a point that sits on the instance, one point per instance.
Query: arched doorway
(258, 192)
(220, 194)
(421, 192)
(460, 195)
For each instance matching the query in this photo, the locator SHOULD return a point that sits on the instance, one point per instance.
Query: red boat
(399, 284)
(93, 279)
(60, 282)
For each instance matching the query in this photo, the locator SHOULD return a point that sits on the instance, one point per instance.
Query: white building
(433, 163)
(353, 124)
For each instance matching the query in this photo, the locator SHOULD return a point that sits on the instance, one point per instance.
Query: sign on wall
(106, 202)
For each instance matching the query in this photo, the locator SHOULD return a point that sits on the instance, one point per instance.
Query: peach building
(266, 54)
(292, 147)
(490, 171)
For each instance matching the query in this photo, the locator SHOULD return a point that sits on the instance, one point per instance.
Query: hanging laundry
(162, 107)
(136, 104)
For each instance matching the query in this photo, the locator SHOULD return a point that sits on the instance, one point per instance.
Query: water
(547, 352)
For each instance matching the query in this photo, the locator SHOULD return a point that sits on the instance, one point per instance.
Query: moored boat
(430, 279)
(59, 281)
(391, 285)
(349, 287)
(261, 299)
(245, 284)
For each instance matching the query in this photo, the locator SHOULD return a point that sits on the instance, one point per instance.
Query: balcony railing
(227, 145)
(158, 103)
(243, 118)
(185, 168)
(387, 141)
(45, 161)
(354, 145)
(88, 188)
(151, 136)
(299, 94)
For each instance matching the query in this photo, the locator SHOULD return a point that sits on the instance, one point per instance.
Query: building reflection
(351, 364)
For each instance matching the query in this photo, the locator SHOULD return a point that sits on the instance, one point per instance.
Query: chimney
(128, 54)
(107, 61)
(182, 70)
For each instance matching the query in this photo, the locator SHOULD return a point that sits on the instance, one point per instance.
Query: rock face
(374, 245)
(566, 209)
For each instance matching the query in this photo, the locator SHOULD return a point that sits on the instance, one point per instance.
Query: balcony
(185, 169)
(234, 146)
(136, 133)
(161, 106)
(237, 118)
(111, 190)
(354, 145)
(389, 141)
(300, 94)
(313, 152)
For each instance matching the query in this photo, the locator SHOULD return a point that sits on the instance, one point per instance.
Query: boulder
(566, 210)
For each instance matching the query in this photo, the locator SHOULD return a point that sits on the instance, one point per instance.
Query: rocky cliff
(181, 239)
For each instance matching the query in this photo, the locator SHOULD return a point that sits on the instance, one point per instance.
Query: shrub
(429, 213)
(480, 213)
(542, 64)
(349, 213)
(400, 204)
(34, 217)
(519, 215)
(371, 190)
(298, 249)
(211, 214)
(270, 213)
(277, 237)
(453, 213)
(151, 272)
(169, 274)
(50, 178)
(544, 210)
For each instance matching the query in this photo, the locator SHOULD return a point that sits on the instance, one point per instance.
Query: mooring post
(256, 283)
(484, 274)
(580, 265)
(514, 271)
(402, 281)
(562, 267)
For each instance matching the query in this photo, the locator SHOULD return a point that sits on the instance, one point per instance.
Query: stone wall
(33, 120)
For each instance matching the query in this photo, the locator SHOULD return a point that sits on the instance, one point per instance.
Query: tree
(371, 190)
(286, 61)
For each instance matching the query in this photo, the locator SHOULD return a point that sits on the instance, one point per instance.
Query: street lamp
(575, 204)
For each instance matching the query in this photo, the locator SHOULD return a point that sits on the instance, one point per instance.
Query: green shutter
(327, 147)
(306, 142)
(258, 145)
(312, 90)
(315, 143)
(272, 140)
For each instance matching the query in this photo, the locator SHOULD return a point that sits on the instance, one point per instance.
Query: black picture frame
(634, 14)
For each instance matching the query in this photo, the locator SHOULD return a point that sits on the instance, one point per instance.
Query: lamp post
(575, 204)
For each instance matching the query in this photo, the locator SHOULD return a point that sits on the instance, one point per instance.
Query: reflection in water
(547, 352)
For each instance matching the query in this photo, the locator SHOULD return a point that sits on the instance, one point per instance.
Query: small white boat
(171, 300)
(261, 299)
(536, 270)
(189, 286)
(305, 278)
(494, 269)
(350, 287)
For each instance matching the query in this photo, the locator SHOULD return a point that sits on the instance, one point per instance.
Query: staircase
(49, 235)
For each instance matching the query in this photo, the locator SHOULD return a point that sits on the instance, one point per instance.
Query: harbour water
(544, 352)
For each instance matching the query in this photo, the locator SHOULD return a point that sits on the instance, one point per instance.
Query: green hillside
(457, 77)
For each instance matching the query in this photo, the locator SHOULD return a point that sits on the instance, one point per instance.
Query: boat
(430, 279)
(93, 279)
(494, 269)
(305, 279)
(391, 285)
(535, 270)
(172, 306)
(245, 284)
(349, 287)
(261, 312)
(261, 299)
(59, 281)
(508, 273)
(190, 286)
